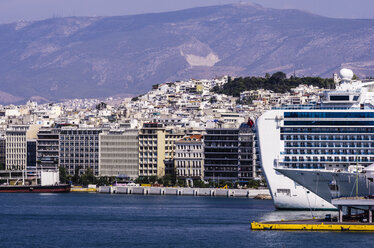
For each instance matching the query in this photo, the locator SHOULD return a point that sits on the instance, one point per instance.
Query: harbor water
(103, 220)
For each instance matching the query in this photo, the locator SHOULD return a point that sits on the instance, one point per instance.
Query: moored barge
(60, 188)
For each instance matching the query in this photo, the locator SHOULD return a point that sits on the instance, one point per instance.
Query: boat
(60, 188)
(329, 135)
(46, 181)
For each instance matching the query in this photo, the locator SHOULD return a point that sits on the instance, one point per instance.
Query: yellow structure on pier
(316, 226)
(81, 189)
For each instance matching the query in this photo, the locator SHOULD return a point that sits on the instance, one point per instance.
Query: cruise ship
(330, 184)
(332, 135)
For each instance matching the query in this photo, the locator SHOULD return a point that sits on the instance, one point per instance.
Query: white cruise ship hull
(320, 182)
(286, 193)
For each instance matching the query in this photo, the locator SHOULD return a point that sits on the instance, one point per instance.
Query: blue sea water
(100, 220)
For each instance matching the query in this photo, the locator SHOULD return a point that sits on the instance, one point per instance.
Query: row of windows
(92, 155)
(189, 173)
(148, 154)
(340, 130)
(147, 161)
(221, 168)
(329, 151)
(186, 164)
(348, 115)
(308, 166)
(189, 155)
(147, 172)
(326, 137)
(79, 161)
(79, 149)
(79, 144)
(148, 166)
(329, 159)
(189, 147)
(329, 123)
(330, 144)
(79, 138)
(80, 132)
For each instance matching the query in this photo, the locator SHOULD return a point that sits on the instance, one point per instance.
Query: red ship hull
(63, 188)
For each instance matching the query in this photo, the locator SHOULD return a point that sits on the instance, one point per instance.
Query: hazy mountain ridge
(104, 56)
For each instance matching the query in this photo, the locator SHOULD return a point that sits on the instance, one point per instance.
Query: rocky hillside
(125, 55)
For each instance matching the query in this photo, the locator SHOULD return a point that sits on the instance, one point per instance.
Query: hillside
(125, 55)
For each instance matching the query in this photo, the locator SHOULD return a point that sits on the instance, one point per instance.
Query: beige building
(119, 153)
(156, 149)
(171, 137)
(16, 145)
(189, 157)
(152, 150)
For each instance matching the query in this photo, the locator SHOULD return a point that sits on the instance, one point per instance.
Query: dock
(361, 220)
(312, 225)
(249, 193)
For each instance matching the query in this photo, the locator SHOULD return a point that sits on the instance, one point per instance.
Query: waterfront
(101, 220)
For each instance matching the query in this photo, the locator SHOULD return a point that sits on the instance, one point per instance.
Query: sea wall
(250, 193)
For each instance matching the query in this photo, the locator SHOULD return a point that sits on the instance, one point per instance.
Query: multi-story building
(152, 150)
(16, 145)
(2, 152)
(189, 157)
(79, 149)
(157, 149)
(248, 166)
(47, 148)
(171, 137)
(31, 155)
(221, 154)
(230, 154)
(119, 153)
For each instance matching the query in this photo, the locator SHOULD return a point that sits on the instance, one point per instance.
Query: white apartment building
(189, 157)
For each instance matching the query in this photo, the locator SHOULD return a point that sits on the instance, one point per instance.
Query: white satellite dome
(346, 74)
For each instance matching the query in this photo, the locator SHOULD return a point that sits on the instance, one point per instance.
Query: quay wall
(250, 193)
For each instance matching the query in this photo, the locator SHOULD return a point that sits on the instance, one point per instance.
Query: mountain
(77, 57)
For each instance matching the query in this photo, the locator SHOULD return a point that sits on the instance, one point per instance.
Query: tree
(64, 177)
(76, 178)
(278, 76)
(355, 77)
(101, 106)
(88, 177)
(278, 82)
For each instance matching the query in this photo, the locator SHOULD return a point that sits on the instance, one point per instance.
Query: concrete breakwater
(250, 193)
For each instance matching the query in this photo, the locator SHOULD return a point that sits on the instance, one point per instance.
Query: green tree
(278, 82)
(88, 177)
(76, 178)
(64, 177)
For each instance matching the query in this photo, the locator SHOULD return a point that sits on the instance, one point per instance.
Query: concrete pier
(250, 193)
(361, 204)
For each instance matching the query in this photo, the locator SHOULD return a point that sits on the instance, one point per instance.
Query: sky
(30, 10)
